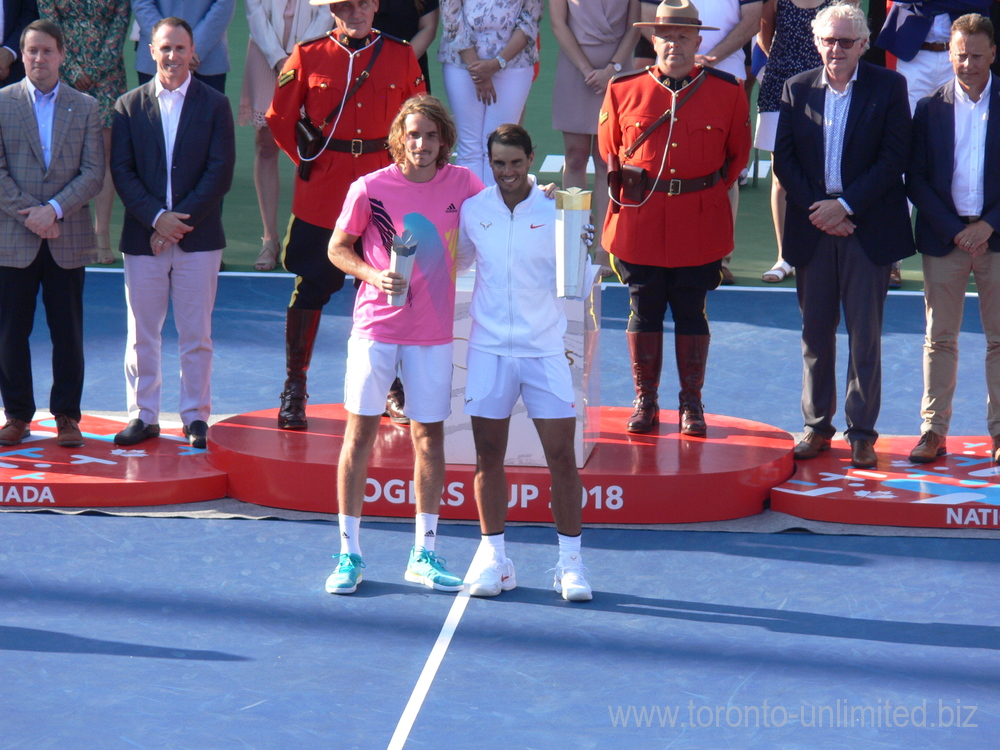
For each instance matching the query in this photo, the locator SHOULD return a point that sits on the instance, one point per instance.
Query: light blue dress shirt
(45, 108)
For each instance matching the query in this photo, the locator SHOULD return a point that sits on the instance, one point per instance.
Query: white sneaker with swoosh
(493, 577)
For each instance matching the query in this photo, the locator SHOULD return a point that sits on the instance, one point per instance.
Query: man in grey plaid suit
(51, 165)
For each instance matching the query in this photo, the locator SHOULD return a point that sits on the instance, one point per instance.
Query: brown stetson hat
(677, 13)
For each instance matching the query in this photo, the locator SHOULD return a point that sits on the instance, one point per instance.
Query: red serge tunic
(316, 75)
(711, 129)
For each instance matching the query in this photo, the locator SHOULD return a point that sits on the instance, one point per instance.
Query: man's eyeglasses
(844, 43)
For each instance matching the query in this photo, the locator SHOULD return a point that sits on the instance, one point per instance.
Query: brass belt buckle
(674, 188)
(357, 146)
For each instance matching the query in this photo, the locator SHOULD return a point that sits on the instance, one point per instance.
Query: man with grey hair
(842, 144)
(954, 181)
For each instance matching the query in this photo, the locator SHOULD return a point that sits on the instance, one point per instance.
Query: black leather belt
(935, 46)
(357, 146)
(970, 219)
(676, 187)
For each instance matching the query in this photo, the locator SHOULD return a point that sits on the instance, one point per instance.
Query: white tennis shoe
(572, 584)
(489, 577)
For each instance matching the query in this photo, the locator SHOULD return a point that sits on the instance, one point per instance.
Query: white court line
(430, 669)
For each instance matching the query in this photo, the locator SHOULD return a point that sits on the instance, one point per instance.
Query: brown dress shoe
(69, 435)
(931, 446)
(996, 448)
(395, 402)
(14, 432)
(811, 445)
(863, 455)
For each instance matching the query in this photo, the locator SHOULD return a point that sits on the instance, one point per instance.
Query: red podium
(39, 474)
(662, 477)
(959, 490)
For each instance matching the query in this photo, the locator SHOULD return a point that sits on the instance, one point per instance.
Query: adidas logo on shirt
(451, 209)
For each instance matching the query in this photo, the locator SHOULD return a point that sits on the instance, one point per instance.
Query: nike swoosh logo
(504, 578)
(536, 226)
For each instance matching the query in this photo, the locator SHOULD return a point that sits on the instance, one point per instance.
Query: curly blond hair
(431, 108)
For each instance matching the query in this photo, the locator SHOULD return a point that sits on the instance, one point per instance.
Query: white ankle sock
(350, 530)
(426, 531)
(494, 545)
(569, 551)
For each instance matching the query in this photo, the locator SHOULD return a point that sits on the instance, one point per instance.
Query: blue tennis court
(186, 633)
(207, 631)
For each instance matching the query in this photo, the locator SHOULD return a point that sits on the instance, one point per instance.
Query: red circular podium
(40, 474)
(658, 478)
(958, 491)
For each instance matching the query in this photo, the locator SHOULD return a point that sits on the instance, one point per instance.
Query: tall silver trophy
(404, 250)
(572, 215)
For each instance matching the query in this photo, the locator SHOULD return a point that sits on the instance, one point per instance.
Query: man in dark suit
(51, 165)
(954, 181)
(17, 14)
(842, 144)
(172, 157)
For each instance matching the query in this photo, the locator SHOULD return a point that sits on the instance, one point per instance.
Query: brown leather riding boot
(692, 356)
(300, 335)
(646, 352)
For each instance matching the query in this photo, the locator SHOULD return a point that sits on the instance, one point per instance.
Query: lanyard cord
(670, 134)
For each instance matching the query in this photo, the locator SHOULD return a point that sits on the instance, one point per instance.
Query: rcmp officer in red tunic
(676, 136)
(351, 81)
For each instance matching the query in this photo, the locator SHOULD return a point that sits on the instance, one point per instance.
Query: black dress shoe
(197, 433)
(136, 432)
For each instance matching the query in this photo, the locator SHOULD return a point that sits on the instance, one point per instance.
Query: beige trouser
(945, 282)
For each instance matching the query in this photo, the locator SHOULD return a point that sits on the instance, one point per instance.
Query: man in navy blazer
(842, 144)
(172, 157)
(954, 181)
(17, 14)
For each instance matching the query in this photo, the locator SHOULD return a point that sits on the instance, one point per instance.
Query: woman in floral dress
(95, 32)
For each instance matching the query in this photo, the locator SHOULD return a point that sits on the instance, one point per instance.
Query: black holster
(309, 140)
(634, 182)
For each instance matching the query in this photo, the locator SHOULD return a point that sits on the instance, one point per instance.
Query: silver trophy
(404, 250)
(572, 215)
